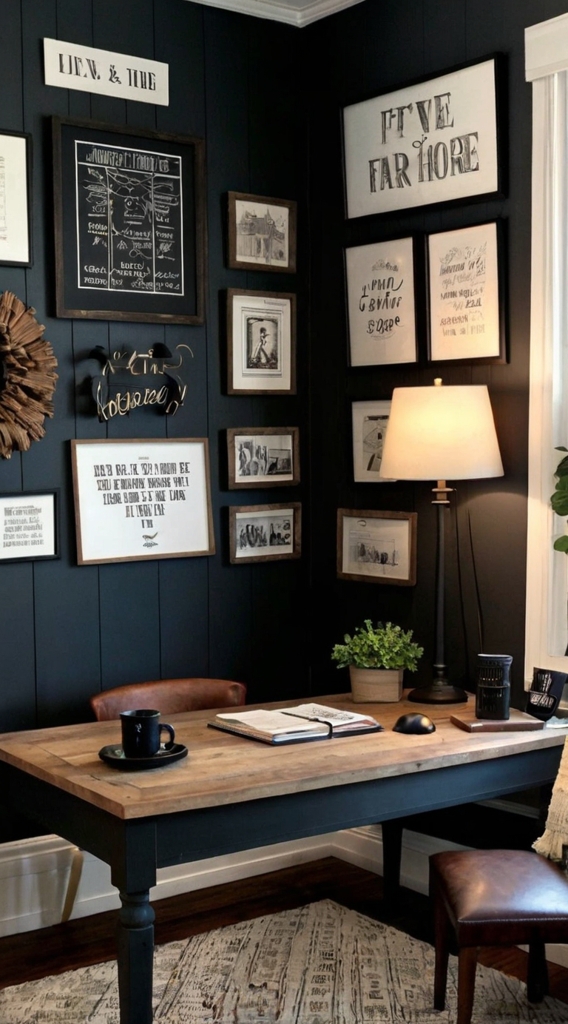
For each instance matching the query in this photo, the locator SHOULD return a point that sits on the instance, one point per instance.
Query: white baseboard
(34, 874)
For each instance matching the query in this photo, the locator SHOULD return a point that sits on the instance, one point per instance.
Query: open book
(293, 725)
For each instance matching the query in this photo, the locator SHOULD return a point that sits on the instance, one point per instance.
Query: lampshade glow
(441, 433)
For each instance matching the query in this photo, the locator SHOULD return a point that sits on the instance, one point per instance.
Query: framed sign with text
(129, 223)
(381, 303)
(15, 205)
(432, 141)
(29, 527)
(142, 499)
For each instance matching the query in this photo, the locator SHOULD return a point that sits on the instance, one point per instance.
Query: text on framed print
(381, 303)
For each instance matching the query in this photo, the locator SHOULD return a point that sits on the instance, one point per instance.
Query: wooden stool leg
(537, 973)
(467, 963)
(442, 943)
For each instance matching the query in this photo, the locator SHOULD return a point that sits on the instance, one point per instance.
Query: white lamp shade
(441, 433)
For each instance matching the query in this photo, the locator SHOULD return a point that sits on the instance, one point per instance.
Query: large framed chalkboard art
(140, 499)
(129, 223)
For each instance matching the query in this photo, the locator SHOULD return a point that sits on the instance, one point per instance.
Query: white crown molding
(297, 12)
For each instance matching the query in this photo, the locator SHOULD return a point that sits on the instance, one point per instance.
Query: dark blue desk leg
(135, 940)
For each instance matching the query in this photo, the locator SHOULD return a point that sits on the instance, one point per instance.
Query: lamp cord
(480, 626)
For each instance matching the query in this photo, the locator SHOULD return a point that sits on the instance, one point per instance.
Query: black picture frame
(390, 166)
(146, 191)
(268, 241)
(16, 200)
(29, 524)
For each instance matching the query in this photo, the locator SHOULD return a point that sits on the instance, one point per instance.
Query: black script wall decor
(129, 380)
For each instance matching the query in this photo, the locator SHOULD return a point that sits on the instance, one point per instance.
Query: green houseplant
(377, 656)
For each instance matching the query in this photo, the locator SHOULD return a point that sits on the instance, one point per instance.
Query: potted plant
(377, 657)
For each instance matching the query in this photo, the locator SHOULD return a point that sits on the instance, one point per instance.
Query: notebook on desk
(295, 725)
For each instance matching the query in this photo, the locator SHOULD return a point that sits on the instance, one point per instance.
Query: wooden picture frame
(434, 140)
(465, 295)
(130, 226)
(265, 533)
(376, 547)
(261, 233)
(381, 302)
(261, 342)
(263, 457)
(369, 426)
(15, 199)
(29, 526)
(142, 499)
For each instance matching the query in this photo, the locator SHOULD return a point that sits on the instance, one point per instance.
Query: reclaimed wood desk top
(222, 768)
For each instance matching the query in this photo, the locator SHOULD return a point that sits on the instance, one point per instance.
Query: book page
(272, 723)
(341, 721)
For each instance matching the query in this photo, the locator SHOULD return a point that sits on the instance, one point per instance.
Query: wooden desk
(233, 794)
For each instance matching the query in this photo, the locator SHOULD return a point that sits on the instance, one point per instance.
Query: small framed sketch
(15, 205)
(263, 456)
(28, 526)
(376, 547)
(465, 302)
(381, 303)
(265, 533)
(262, 233)
(370, 420)
(261, 342)
(142, 498)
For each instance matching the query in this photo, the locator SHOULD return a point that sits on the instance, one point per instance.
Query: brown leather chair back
(168, 696)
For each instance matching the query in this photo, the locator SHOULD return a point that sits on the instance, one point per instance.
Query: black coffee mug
(142, 732)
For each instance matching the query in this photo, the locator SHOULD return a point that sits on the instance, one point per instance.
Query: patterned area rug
(321, 964)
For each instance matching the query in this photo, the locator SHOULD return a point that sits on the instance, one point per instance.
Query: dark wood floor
(91, 940)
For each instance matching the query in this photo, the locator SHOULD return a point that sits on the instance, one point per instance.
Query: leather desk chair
(502, 898)
(168, 696)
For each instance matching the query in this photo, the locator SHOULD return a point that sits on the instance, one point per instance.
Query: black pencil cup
(493, 693)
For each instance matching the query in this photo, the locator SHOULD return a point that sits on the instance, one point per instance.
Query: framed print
(29, 526)
(381, 303)
(432, 141)
(261, 342)
(261, 233)
(15, 199)
(263, 456)
(141, 499)
(376, 547)
(465, 307)
(370, 421)
(129, 223)
(265, 533)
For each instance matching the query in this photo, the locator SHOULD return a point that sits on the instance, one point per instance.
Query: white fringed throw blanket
(556, 829)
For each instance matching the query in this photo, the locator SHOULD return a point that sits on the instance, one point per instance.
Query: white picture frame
(142, 499)
(431, 141)
(465, 307)
(15, 205)
(369, 425)
(381, 303)
(29, 526)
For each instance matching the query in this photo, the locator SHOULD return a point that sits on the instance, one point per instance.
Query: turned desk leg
(135, 940)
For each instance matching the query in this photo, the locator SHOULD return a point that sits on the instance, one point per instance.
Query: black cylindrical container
(492, 698)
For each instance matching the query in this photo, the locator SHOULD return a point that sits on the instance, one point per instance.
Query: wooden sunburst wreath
(27, 376)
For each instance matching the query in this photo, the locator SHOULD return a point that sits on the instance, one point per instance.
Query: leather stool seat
(495, 898)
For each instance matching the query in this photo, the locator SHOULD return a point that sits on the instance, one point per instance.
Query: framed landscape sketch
(261, 342)
(263, 456)
(381, 303)
(370, 421)
(434, 140)
(261, 233)
(129, 223)
(15, 196)
(376, 547)
(264, 533)
(465, 295)
(29, 526)
(140, 499)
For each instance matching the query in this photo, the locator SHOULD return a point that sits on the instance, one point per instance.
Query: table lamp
(440, 433)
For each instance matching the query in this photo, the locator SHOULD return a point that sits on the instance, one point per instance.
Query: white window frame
(546, 65)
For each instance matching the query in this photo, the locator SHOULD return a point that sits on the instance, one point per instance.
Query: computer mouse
(414, 723)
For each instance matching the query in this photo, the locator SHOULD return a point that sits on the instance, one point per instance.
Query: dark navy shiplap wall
(67, 631)
(266, 97)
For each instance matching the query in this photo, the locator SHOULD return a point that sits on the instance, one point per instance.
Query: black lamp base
(438, 693)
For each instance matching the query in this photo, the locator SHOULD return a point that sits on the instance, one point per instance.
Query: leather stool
(495, 898)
